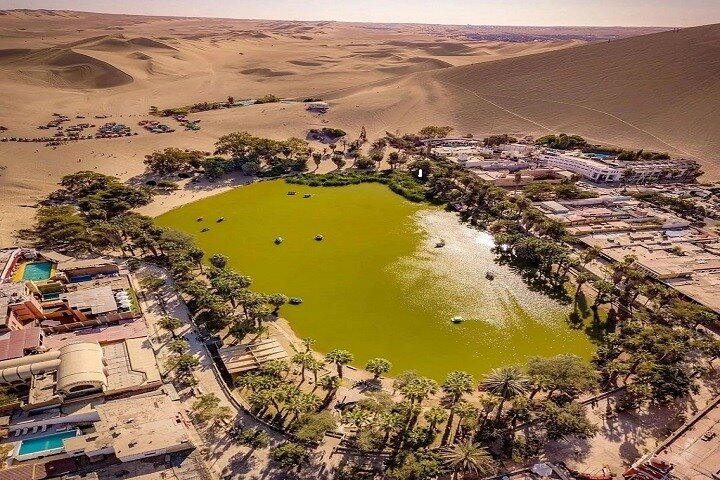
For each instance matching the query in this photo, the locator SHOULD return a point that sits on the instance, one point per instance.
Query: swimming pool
(47, 444)
(37, 271)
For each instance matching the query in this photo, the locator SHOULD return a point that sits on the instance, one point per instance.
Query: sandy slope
(384, 77)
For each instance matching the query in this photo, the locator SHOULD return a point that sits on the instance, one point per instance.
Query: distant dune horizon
(631, 87)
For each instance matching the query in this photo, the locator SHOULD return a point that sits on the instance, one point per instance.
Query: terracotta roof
(102, 334)
(14, 343)
(39, 471)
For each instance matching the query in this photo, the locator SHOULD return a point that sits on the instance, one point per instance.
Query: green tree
(378, 366)
(218, 261)
(302, 360)
(339, 358)
(456, 384)
(434, 132)
(182, 364)
(330, 384)
(290, 455)
(170, 324)
(178, 346)
(565, 373)
(569, 420)
(435, 416)
(152, 283)
(505, 382)
(468, 457)
(418, 389)
(173, 160)
(207, 408)
(313, 426)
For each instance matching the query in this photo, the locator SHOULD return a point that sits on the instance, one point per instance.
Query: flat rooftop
(96, 300)
(102, 334)
(134, 426)
(695, 453)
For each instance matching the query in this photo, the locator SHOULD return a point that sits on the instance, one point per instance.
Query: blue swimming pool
(47, 442)
(37, 271)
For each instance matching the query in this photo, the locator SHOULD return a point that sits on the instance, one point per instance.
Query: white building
(576, 162)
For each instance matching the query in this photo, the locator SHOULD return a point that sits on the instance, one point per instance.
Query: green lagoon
(376, 285)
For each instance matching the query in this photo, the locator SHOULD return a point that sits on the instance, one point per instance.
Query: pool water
(47, 442)
(37, 271)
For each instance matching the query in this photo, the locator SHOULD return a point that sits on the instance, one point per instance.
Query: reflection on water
(457, 272)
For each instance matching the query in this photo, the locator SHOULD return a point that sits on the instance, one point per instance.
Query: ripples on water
(457, 273)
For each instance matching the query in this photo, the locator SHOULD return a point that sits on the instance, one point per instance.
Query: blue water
(37, 271)
(47, 442)
(81, 278)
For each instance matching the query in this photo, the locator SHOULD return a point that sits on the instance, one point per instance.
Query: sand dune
(658, 91)
(63, 67)
(119, 42)
(381, 77)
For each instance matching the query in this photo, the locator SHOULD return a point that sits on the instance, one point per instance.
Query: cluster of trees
(207, 408)
(83, 215)
(412, 142)
(173, 161)
(562, 141)
(566, 190)
(433, 131)
(253, 154)
(179, 362)
(247, 153)
(278, 391)
(206, 106)
(495, 140)
(466, 423)
(682, 206)
(401, 182)
(642, 155)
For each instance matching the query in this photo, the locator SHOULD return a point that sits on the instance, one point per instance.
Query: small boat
(295, 301)
(291, 193)
(221, 219)
(490, 276)
(319, 237)
(440, 244)
(278, 240)
(307, 195)
(457, 320)
(205, 230)
(200, 219)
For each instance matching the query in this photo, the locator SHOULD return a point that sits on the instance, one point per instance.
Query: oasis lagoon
(376, 284)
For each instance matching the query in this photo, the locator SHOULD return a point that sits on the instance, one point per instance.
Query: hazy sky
(475, 12)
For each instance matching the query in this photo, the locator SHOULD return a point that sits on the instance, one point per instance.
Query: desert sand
(658, 90)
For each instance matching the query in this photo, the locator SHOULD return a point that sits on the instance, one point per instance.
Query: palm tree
(308, 343)
(378, 366)
(436, 415)
(581, 279)
(170, 324)
(468, 457)
(418, 389)
(330, 384)
(455, 385)
(303, 360)
(505, 382)
(178, 346)
(315, 366)
(467, 413)
(339, 358)
(196, 255)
